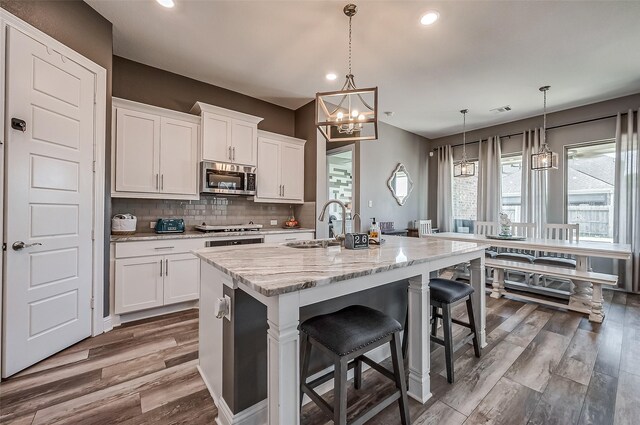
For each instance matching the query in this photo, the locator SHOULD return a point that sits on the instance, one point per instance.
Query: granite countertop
(276, 269)
(191, 234)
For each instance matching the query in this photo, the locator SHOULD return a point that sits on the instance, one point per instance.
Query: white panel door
(178, 157)
(244, 139)
(137, 151)
(181, 278)
(139, 283)
(49, 203)
(268, 169)
(292, 165)
(216, 138)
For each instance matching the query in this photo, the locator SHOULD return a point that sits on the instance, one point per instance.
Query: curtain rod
(548, 128)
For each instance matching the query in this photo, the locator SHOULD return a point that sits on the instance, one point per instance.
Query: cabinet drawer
(288, 237)
(159, 247)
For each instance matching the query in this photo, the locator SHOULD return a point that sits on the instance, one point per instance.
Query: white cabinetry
(227, 136)
(155, 273)
(280, 172)
(155, 152)
(289, 237)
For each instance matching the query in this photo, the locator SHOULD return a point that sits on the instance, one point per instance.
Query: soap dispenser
(374, 232)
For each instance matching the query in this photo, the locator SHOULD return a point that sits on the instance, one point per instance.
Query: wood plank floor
(542, 366)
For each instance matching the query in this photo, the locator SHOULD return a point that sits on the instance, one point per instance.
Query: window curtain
(490, 180)
(534, 191)
(445, 189)
(626, 224)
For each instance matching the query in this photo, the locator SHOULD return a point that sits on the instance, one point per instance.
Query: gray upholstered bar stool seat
(345, 336)
(445, 294)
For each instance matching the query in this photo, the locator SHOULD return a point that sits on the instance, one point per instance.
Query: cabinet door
(268, 184)
(137, 156)
(244, 142)
(138, 284)
(216, 138)
(292, 166)
(178, 157)
(181, 278)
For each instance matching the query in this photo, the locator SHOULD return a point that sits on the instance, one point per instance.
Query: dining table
(581, 297)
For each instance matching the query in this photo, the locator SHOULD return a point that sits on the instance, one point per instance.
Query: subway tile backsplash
(209, 209)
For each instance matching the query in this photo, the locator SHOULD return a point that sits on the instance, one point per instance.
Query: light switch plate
(152, 225)
(274, 222)
(370, 204)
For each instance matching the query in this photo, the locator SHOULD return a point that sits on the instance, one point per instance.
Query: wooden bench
(597, 279)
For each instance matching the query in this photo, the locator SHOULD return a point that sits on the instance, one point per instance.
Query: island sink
(314, 243)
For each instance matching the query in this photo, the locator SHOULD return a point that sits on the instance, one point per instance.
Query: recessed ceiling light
(166, 3)
(331, 76)
(429, 18)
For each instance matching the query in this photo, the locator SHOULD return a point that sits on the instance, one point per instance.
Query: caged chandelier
(544, 159)
(349, 114)
(464, 168)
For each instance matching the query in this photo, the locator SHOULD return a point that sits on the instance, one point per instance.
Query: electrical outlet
(274, 222)
(370, 204)
(152, 225)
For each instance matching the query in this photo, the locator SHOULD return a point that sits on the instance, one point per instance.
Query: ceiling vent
(505, 108)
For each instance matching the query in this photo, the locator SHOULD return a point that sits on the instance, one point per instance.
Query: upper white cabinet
(155, 152)
(280, 168)
(227, 136)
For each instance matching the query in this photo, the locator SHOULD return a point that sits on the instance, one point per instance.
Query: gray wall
(78, 26)
(378, 160)
(153, 86)
(305, 128)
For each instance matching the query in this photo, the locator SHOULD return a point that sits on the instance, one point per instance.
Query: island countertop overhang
(275, 269)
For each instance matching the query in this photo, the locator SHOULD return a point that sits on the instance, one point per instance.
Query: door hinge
(93, 303)
(94, 166)
(4, 246)
(93, 235)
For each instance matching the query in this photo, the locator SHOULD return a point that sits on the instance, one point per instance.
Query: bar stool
(445, 294)
(345, 336)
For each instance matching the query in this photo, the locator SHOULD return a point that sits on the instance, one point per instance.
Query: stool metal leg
(340, 391)
(448, 340)
(398, 371)
(472, 324)
(434, 321)
(405, 335)
(304, 366)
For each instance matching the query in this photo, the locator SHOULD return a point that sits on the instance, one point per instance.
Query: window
(590, 187)
(465, 202)
(511, 178)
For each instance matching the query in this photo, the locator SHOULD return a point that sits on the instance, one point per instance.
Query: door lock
(17, 246)
(18, 124)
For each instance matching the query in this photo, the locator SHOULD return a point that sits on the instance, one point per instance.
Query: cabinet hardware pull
(162, 182)
(282, 190)
(157, 181)
(166, 267)
(160, 268)
(230, 159)
(165, 247)
(234, 153)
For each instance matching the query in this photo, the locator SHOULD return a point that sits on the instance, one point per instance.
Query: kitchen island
(285, 279)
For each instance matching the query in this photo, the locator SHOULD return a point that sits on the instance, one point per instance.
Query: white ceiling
(480, 54)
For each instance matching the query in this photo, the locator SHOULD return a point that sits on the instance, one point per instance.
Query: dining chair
(424, 228)
(527, 230)
(486, 228)
(561, 232)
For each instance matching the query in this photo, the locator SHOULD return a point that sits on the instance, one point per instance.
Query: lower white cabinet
(139, 284)
(144, 281)
(289, 237)
(181, 278)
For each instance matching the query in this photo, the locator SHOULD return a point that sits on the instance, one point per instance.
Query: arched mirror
(400, 184)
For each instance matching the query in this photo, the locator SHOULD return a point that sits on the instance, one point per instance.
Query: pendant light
(349, 114)
(544, 159)
(464, 168)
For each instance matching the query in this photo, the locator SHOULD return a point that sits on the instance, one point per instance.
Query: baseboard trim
(108, 324)
(119, 319)
(254, 415)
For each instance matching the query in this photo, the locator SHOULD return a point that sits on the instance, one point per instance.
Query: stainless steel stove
(248, 227)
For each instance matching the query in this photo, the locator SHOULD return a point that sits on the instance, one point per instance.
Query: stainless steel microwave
(227, 179)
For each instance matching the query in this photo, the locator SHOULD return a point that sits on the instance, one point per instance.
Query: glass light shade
(347, 115)
(464, 168)
(544, 160)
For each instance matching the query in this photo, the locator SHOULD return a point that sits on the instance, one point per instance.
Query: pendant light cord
(350, 45)
(544, 118)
